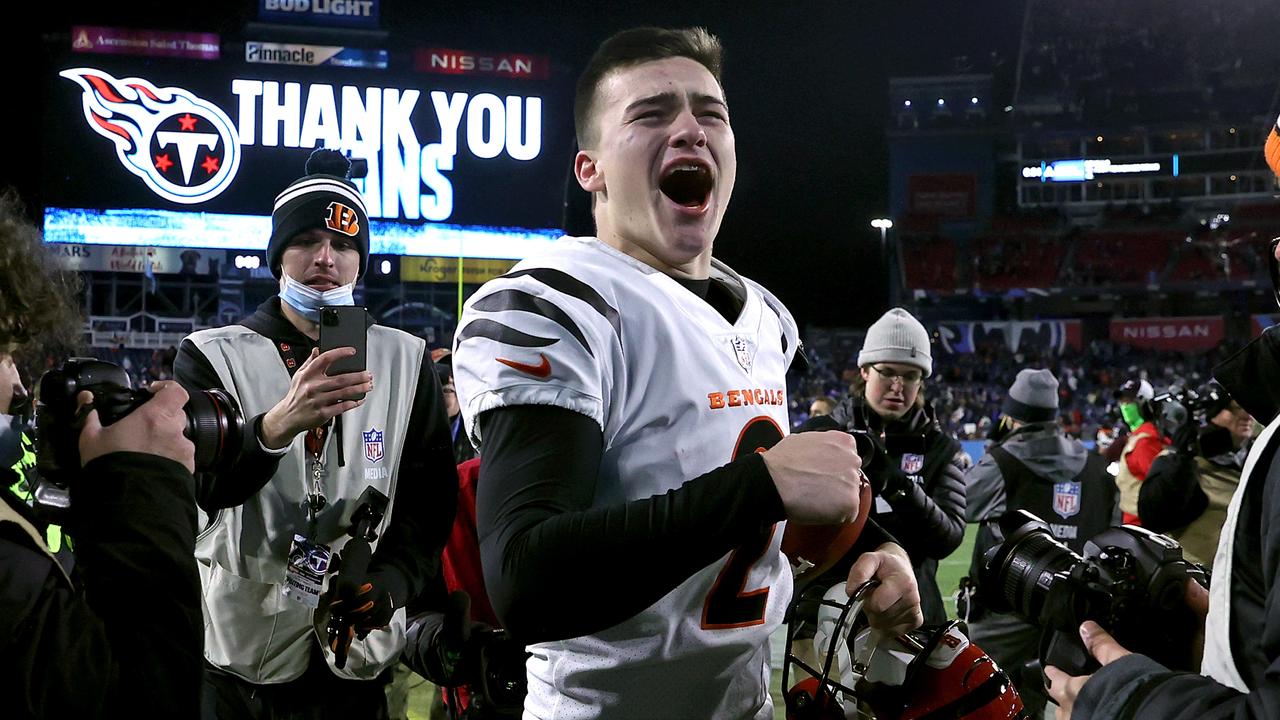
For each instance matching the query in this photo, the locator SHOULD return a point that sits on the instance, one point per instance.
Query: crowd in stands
(967, 389)
(1156, 250)
(1100, 60)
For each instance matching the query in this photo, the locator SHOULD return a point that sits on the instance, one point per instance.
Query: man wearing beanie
(916, 469)
(1033, 467)
(314, 443)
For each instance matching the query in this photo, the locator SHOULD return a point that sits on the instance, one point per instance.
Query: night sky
(807, 88)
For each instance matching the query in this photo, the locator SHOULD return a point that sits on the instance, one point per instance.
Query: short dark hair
(635, 46)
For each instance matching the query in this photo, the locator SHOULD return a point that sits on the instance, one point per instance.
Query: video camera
(1130, 581)
(1176, 407)
(215, 424)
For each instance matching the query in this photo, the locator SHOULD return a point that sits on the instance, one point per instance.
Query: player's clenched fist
(817, 475)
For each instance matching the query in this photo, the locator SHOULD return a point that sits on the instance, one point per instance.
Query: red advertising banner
(156, 43)
(1169, 333)
(467, 62)
(950, 196)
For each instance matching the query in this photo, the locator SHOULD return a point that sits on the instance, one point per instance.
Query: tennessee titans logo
(183, 147)
(372, 445)
(1066, 498)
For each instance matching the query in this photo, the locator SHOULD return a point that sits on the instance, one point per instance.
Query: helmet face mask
(936, 672)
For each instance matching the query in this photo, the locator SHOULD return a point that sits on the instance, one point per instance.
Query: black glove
(1215, 440)
(359, 601)
(453, 651)
(365, 606)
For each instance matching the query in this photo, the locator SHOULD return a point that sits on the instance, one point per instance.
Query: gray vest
(251, 629)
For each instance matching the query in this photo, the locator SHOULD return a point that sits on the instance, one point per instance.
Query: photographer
(1190, 485)
(124, 629)
(1034, 466)
(1242, 646)
(1140, 448)
(917, 470)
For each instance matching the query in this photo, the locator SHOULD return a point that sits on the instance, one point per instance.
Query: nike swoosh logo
(542, 370)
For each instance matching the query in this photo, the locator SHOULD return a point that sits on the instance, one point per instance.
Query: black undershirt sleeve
(557, 568)
(253, 467)
(426, 499)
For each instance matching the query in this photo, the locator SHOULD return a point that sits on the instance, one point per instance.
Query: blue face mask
(308, 301)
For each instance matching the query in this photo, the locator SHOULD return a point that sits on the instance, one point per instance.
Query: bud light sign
(349, 13)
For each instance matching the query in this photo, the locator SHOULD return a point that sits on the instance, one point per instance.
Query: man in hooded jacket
(1034, 467)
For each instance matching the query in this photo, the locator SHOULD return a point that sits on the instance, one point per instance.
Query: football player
(627, 392)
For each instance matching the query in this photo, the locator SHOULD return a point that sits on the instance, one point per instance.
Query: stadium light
(973, 101)
(883, 225)
(941, 102)
(906, 103)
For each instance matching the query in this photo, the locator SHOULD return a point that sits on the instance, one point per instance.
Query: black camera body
(499, 683)
(215, 424)
(1130, 581)
(867, 430)
(1178, 405)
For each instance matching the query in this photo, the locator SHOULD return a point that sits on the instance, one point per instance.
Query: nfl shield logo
(744, 352)
(1066, 498)
(373, 445)
(912, 464)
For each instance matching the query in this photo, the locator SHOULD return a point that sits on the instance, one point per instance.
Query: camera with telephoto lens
(1130, 581)
(214, 422)
(1173, 407)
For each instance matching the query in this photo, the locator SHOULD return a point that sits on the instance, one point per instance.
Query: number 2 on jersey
(730, 604)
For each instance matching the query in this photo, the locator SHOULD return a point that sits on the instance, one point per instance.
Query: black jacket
(128, 634)
(411, 546)
(919, 479)
(1136, 686)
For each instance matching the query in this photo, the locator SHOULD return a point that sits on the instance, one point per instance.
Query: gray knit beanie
(1033, 398)
(897, 337)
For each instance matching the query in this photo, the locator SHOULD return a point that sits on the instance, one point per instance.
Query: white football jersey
(677, 391)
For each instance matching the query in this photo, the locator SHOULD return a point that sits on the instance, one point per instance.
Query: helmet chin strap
(836, 617)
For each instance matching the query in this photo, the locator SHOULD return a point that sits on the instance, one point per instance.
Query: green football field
(949, 573)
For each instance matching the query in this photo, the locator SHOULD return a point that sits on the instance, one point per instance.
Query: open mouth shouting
(688, 184)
